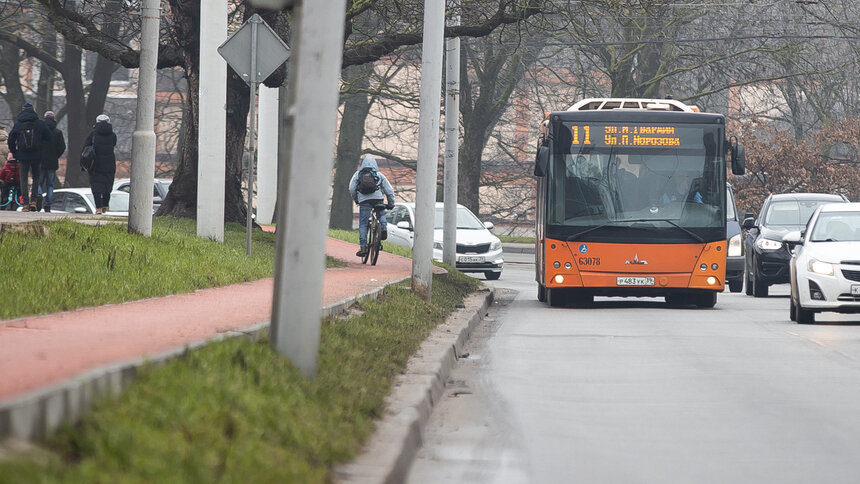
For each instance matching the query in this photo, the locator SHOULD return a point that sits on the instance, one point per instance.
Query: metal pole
(212, 122)
(452, 134)
(303, 218)
(143, 139)
(252, 151)
(428, 147)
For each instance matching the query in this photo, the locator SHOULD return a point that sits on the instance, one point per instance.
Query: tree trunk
(77, 125)
(355, 110)
(238, 104)
(181, 200)
(9, 63)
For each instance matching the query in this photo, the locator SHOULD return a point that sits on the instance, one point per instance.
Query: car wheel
(748, 282)
(792, 310)
(759, 289)
(492, 276)
(736, 285)
(556, 297)
(706, 300)
(804, 316)
(541, 293)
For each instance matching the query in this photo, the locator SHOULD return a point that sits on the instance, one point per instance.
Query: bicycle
(13, 201)
(374, 235)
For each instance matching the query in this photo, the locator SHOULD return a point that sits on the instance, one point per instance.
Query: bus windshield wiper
(688, 232)
(588, 230)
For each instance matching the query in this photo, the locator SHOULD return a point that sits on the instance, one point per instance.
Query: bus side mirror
(541, 161)
(739, 161)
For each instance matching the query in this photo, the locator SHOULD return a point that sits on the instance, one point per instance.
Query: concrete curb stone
(387, 457)
(518, 248)
(33, 416)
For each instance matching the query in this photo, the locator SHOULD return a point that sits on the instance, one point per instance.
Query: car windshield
(465, 219)
(837, 227)
(791, 212)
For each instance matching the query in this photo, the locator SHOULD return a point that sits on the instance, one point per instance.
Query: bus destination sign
(635, 135)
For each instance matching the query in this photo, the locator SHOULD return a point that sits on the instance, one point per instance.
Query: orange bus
(631, 201)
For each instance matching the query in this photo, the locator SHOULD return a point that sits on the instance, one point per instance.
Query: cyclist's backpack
(26, 140)
(368, 181)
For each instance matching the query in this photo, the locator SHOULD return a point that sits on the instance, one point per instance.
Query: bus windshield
(674, 183)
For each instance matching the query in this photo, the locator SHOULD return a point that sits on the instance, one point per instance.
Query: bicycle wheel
(377, 243)
(371, 241)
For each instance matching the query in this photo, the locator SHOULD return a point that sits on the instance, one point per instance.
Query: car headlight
(496, 245)
(735, 246)
(437, 245)
(767, 244)
(820, 267)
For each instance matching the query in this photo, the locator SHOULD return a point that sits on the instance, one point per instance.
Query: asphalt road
(630, 391)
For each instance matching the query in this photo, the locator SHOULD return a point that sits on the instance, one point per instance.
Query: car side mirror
(793, 238)
(739, 161)
(404, 225)
(489, 225)
(748, 215)
(80, 210)
(749, 223)
(541, 161)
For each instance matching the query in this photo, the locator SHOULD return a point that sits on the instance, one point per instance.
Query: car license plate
(855, 290)
(470, 259)
(635, 281)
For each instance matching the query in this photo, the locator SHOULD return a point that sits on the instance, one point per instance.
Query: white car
(80, 200)
(159, 189)
(825, 265)
(478, 250)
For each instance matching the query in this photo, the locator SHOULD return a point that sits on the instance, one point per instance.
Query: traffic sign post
(267, 53)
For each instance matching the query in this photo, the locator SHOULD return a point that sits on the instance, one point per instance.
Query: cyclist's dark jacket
(377, 196)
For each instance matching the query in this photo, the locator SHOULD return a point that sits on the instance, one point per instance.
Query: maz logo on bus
(626, 135)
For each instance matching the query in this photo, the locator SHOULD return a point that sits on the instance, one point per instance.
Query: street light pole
(428, 148)
(452, 137)
(143, 139)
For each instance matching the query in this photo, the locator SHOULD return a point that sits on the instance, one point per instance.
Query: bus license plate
(855, 290)
(470, 259)
(635, 281)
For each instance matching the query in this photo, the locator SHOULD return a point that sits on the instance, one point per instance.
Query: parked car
(735, 254)
(478, 250)
(80, 200)
(825, 265)
(766, 256)
(159, 190)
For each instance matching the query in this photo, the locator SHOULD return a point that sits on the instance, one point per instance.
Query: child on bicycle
(366, 189)
(10, 176)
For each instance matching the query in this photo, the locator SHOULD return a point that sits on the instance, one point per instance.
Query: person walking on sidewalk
(366, 189)
(25, 142)
(9, 178)
(4, 145)
(103, 140)
(51, 153)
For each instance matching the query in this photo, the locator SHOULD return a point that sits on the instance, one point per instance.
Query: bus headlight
(735, 246)
(559, 279)
(712, 280)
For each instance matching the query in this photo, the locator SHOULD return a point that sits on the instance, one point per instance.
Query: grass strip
(235, 412)
(81, 265)
(516, 239)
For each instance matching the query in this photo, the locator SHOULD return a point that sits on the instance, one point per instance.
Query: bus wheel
(556, 297)
(581, 299)
(541, 293)
(706, 300)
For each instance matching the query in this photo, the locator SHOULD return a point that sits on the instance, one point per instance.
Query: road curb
(34, 415)
(388, 456)
(518, 248)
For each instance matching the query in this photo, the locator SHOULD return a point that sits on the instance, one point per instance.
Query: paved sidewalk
(44, 350)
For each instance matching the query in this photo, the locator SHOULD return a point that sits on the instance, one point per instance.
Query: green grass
(352, 236)
(81, 265)
(235, 412)
(516, 239)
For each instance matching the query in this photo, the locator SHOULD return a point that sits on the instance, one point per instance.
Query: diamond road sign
(271, 51)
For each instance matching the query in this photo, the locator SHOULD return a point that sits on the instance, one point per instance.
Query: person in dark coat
(51, 153)
(25, 143)
(103, 141)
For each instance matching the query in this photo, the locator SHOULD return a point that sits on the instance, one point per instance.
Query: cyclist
(366, 189)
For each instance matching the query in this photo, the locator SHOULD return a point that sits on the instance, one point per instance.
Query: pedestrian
(9, 178)
(367, 187)
(26, 139)
(4, 147)
(103, 141)
(51, 153)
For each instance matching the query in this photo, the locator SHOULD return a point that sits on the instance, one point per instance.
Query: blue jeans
(363, 219)
(46, 186)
